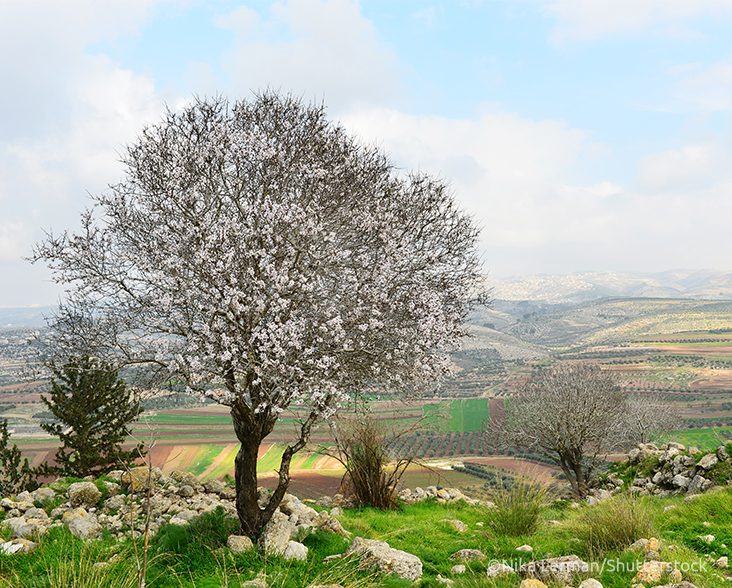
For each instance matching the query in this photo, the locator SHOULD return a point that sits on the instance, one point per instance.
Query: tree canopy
(260, 253)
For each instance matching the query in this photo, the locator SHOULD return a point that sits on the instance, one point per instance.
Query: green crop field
(226, 465)
(704, 439)
(187, 419)
(465, 415)
(204, 458)
(468, 414)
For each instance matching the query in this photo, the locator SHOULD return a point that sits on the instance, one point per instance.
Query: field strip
(223, 463)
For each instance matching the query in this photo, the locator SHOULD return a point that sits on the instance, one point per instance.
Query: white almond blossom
(264, 256)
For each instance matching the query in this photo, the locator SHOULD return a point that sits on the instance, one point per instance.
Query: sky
(583, 135)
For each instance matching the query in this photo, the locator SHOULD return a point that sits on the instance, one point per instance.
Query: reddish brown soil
(716, 383)
(496, 410)
(307, 485)
(531, 469)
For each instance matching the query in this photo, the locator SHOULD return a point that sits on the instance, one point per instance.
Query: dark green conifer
(14, 475)
(93, 409)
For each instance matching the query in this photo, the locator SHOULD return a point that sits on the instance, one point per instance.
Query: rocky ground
(144, 500)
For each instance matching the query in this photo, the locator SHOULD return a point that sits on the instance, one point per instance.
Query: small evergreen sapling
(93, 409)
(14, 476)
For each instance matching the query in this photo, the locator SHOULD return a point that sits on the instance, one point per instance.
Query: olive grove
(267, 258)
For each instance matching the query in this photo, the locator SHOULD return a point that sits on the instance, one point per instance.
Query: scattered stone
(238, 543)
(468, 555)
(526, 548)
(43, 495)
(499, 569)
(445, 581)
(590, 583)
(708, 539)
(681, 481)
(458, 569)
(325, 522)
(722, 562)
(651, 572)
(84, 494)
(722, 454)
(295, 550)
(214, 486)
(532, 583)
(137, 479)
(555, 569)
(259, 582)
(698, 484)
(186, 491)
(276, 535)
(82, 524)
(378, 555)
(708, 461)
(459, 526)
(19, 545)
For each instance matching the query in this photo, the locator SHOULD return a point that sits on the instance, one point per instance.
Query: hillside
(581, 286)
(541, 327)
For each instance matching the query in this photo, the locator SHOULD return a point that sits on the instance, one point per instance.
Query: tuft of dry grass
(613, 525)
(517, 508)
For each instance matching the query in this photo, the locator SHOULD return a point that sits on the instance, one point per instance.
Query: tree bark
(245, 475)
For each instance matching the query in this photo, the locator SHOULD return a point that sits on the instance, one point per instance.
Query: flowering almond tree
(270, 260)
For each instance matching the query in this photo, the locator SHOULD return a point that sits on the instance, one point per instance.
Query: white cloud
(693, 167)
(592, 19)
(330, 51)
(514, 174)
(68, 117)
(12, 235)
(507, 170)
(710, 90)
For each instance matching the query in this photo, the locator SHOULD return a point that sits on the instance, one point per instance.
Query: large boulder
(276, 535)
(82, 524)
(295, 550)
(84, 494)
(468, 555)
(379, 556)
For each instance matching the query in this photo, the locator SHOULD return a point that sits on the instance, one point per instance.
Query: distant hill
(583, 286)
(24, 318)
(535, 326)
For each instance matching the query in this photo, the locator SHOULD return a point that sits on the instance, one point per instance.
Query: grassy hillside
(195, 555)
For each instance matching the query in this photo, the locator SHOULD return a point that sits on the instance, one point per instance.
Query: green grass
(704, 439)
(270, 460)
(465, 415)
(194, 556)
(226, 465)
(205, 457)
(188, 419)
(614, 525)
